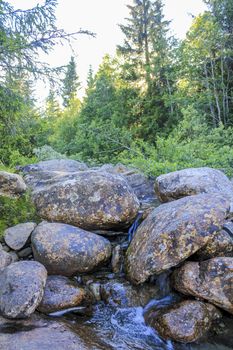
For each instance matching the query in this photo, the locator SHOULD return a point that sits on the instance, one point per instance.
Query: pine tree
(145, 41)
(70, 83)
(90, 78)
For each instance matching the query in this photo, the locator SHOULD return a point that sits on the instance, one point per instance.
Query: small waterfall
(134, 227)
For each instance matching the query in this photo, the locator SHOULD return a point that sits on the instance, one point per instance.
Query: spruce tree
(70, 83)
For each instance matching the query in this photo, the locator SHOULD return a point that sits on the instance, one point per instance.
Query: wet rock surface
(41, 333)
(17, 236)
(11, 185)
(67, 250)
(62, 293)
(192, 181)
(88, 199)
(173, 232)
(210, 280)
(21, 288)
(122, 293)
(184, 322)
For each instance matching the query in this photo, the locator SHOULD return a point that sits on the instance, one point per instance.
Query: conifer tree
(70, 83)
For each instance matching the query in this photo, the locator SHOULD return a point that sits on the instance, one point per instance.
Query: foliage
(70, 83)
(15, 211)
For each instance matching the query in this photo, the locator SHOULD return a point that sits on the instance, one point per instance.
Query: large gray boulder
(185, 322)
(17, 236)
(21, 288)
(173, 232)
(47, 172)
(67, 250)
(88, 199)
(62, 293)
(210, 280)
(192, 181)
(11, 185)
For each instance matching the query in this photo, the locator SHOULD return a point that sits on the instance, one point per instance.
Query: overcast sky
(103, 17)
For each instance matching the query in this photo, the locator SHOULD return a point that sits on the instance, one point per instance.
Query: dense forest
(160, 104)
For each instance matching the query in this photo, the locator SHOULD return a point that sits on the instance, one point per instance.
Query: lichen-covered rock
(210, 280)
(88, 199)
(220, 245)
(21, 288)
(67, 250)
(17, 236)
(192, 181)
(62, 293)
(173, 232)
(49, 171)
(11, 185)
(62, 165)
(184, 322)
(117, 260)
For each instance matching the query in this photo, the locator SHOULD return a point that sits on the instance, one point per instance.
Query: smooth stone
(185, 322)
(21, 288)
(67, 250)
(173, 232)
(24, 253)
(17, 236)
(11, 185)
(5, 259)
(192, 181)
(62, 293)
(210, 280)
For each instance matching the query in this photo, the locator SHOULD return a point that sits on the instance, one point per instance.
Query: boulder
(88, 199)
(21, 288)
(192, 181)
(142, 185)
(60, 165)
(62, 293)
(67, 250)
(210, 280)
(220, 245)
(173, 232)
(185, 322)
(5, 259)
(17, 236)
(11, 185)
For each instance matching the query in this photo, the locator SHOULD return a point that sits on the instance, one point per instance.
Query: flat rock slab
(67, 250)
(192, 181)
(62, 293)
(184, 322)
(11, 185)
(21, 288)
(173, 232)
(41, 333)
(17, 236)
(211, 280)
(88, 199)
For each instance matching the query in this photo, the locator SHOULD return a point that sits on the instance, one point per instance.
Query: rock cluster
(82, 253)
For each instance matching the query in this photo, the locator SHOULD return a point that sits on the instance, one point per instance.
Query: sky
(103, 17)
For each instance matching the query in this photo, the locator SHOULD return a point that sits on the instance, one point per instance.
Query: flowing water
(124, 329)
